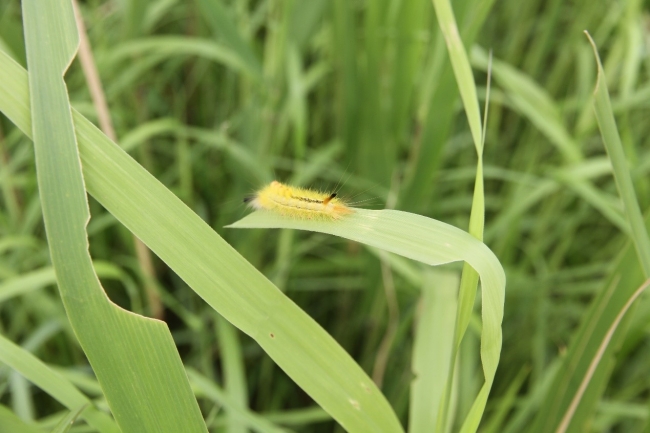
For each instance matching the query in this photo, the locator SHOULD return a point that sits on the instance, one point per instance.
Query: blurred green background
(217, 98)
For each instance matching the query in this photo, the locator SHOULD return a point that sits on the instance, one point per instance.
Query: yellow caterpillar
(298, 203)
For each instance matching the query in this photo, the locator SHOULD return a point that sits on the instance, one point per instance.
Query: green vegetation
(380, 327)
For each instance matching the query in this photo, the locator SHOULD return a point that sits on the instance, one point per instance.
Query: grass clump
(211, 100)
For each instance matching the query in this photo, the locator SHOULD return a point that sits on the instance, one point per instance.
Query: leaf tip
(600, 68)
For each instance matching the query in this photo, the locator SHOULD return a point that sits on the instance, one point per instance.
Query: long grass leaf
(612, 141)
(469, 277)
(134, 358)
(462, 69)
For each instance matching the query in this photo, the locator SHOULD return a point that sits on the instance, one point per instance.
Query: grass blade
(462, 69)
(134, 358)
(67, 421)
(469, 277)
(409, 235)
(432, 352)
(612, 141)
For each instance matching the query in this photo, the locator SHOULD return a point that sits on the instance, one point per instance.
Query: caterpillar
(298, 203)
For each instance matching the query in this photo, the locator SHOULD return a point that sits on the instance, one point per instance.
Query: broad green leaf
(230, 284)
(410, 235)
(134, 358)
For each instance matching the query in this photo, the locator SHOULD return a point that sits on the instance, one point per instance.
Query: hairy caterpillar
(298, 203)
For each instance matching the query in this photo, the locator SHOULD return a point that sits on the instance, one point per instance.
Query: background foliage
(217, 98)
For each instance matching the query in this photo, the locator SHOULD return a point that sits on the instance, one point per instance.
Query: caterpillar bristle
(299, 203)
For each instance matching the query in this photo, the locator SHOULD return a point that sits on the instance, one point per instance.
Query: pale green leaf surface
(21, 397)
(83, 380)
(410, 235)
(215, 271)
(134, 358)
(433, 347)
(54, 384)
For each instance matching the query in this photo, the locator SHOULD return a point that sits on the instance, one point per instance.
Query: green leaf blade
(612, 141)
(135, 358)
